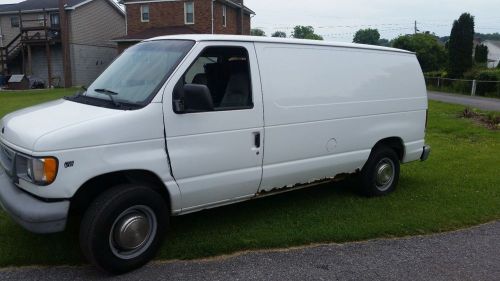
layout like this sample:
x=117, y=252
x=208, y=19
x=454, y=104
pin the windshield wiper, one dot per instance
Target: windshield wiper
x=77, y=94
x=110, y=94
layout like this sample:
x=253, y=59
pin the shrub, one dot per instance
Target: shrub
x=440, y=74
x=486, y=88
x=461, y=45
x=481, y=53
x=430, y=53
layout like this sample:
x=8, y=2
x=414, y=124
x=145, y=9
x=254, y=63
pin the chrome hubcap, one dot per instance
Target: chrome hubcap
x=133, y=232
x=385, y=174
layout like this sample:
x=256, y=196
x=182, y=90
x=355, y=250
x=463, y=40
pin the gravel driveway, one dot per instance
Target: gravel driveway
x=475, y=102
x=472, y=254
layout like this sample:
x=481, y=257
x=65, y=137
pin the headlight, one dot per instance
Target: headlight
x=40, y=171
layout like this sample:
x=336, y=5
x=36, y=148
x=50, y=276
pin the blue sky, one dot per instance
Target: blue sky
x=338, y=20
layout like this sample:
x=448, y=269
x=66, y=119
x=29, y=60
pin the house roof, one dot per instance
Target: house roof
x=6, y=7
x=237, y=3
x=29, y=5
x=493, y=42
x=155, y=32
x=233, y=3
x=38, y=5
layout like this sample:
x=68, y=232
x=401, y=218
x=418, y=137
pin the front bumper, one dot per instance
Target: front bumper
x=31, y=213
x=425, y=153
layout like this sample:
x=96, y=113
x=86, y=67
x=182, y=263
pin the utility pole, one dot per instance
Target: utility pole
x=242, y=16
x=416, y=29
x=212, y=11
x=64, y=30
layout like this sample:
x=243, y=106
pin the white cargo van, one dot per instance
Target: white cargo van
x=180, y=124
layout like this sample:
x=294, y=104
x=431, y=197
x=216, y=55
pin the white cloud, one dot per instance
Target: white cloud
x=338, y=20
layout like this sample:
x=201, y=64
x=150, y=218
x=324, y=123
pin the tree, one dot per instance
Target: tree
x=280, y=34
x=257, y=32
x=430, y=53
x=384, y=42
x=488, y=36
x=460, y=46
x=481, y=53
x=367, y=36
x=305, y=32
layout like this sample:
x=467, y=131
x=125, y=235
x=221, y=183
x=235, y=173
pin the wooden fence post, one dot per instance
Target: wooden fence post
x=474, y=86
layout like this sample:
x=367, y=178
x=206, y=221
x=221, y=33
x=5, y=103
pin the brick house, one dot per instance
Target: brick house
x=62, y=42
x=151, y=18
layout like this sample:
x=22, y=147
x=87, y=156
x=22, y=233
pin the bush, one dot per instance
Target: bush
x=437, y=74
x=460, y=45
x=430, y=53
x=481, y=53
x=485, y=88
x=472, y=74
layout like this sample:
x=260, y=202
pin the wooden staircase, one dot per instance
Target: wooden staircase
x=32, y=32
x=10, y=52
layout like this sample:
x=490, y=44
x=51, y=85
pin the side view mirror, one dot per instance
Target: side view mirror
x=197, y=98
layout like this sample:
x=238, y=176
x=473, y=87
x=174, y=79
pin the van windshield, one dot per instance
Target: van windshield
x=135, y=76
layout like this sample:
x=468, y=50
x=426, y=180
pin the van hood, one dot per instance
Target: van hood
x=24, y=127
x=65, y=125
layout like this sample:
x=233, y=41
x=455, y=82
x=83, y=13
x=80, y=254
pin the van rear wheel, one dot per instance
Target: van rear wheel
x=380, y=175
x=123, y=228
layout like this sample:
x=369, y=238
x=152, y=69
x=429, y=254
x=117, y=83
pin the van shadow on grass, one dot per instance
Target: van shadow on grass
x=213, y=227
x=261, y=223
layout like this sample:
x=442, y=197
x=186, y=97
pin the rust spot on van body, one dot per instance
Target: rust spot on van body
x=297, y=186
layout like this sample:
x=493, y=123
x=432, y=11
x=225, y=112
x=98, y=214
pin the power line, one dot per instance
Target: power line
x=416, y=24
x=337, y=26
x=381, y=27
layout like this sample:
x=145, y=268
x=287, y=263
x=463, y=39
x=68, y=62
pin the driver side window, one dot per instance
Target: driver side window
x=225, y=72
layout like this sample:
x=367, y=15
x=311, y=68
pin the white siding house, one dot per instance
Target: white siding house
x=31, y=41
x=493, y=52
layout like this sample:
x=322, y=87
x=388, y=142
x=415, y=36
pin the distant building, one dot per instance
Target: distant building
x=493, y=52
x=62, y=42
x=151, y=18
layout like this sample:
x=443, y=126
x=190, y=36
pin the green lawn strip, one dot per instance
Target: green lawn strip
x=459, y=186
x=14, y=100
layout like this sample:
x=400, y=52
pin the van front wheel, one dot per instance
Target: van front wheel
x=123, y=228
x=380, y=175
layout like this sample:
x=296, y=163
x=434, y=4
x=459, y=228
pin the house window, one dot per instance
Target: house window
x=14, y=21
x=144, y=13
x=189, y=12
x=41, y=20
x=55, y=21
x=224, y=15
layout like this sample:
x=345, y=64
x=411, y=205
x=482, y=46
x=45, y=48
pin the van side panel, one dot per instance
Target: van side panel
x=326, y=107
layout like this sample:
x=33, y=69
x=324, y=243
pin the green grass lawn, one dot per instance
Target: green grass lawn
x=458, y=186
x=11, y=101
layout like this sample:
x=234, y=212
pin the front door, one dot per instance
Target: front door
x=216, y=156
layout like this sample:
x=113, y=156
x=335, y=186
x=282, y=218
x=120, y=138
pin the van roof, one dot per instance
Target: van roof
x=262, y=39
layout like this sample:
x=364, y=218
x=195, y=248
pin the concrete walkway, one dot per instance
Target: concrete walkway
x=475, y=102
x=472, y=254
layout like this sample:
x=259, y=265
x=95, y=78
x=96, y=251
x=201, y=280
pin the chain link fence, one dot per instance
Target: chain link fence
x=464, y=86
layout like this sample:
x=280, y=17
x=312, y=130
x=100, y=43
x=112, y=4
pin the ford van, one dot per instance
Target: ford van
x=179, y=124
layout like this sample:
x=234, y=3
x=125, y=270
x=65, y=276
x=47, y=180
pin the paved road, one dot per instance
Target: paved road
x=475, y=102
x=472, y=254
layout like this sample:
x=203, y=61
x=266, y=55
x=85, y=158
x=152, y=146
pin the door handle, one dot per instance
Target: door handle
x=257, y=139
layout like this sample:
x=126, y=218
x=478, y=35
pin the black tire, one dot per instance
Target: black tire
x=99, y=222
x=371, y=183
